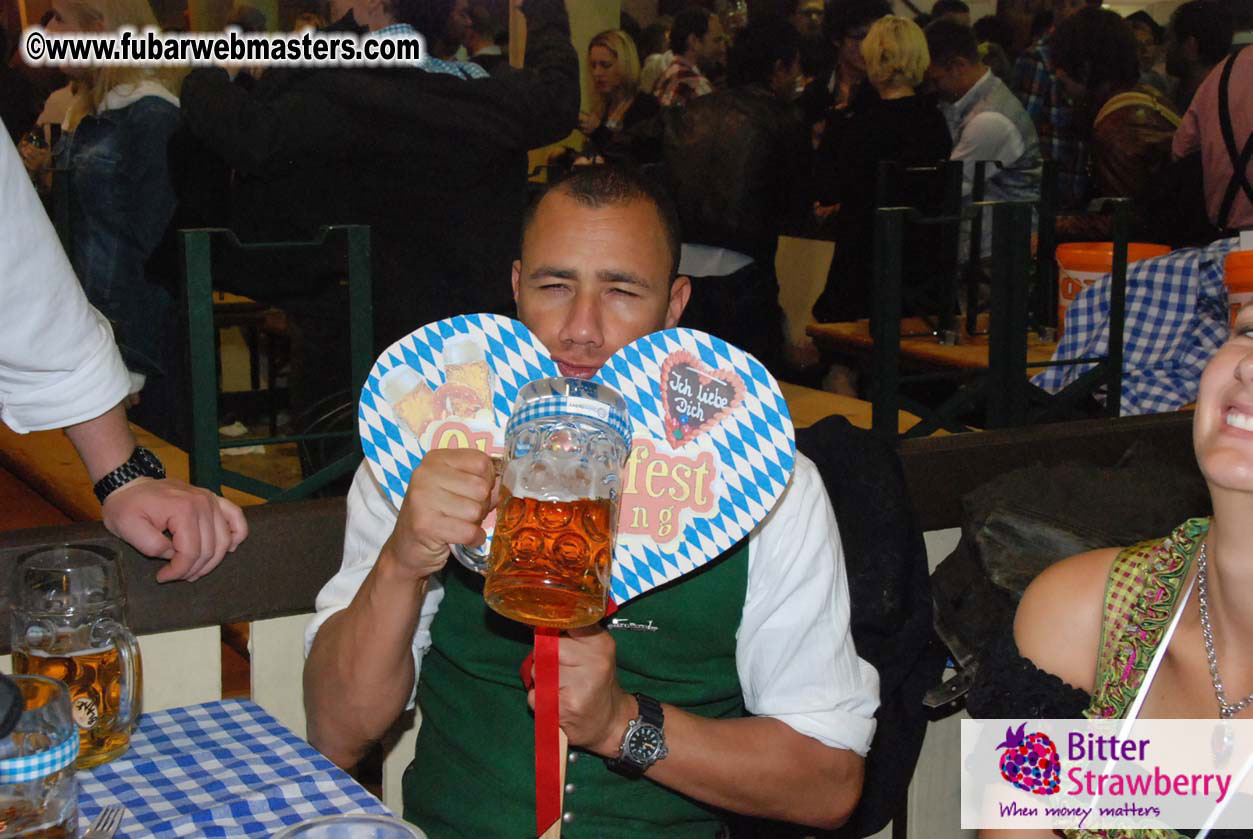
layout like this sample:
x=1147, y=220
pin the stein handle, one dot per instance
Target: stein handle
x=132, y=671
x=473, y=558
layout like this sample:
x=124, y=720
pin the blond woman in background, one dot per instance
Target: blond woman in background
x=617, y=103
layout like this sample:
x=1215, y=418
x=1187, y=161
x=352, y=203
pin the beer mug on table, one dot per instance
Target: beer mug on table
x=69, y=623
x=552, y=549
x=38, y=788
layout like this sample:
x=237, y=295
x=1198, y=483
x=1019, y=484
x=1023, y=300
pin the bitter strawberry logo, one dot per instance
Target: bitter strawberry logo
x=1030, y=762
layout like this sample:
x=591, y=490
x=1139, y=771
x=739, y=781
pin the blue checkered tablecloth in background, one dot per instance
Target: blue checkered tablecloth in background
x=223, y=769
x=1176, y=320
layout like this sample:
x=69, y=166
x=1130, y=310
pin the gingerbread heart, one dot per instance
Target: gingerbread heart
x=695, y=397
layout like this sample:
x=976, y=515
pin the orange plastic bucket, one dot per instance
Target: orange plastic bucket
x=1238, y=277
x=1080, y=264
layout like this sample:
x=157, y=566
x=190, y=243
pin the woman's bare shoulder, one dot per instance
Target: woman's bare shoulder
x=1058, y=624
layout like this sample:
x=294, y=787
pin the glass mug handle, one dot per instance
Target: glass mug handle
x=131, y=666
x=473, y=558
x=476, y=558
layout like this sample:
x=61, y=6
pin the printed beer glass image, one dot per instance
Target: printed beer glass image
x=69, y=624
x=552, y=549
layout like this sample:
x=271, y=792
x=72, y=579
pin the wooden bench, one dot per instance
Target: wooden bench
x=23, y=507
x=808, y=406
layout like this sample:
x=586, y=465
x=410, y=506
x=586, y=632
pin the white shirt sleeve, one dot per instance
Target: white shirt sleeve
x=371, y=518
x=987, y=136
x=794, y=649
x=58, y=362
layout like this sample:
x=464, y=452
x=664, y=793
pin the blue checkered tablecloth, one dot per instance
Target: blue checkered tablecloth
x=1177, y=312
x=222, y=769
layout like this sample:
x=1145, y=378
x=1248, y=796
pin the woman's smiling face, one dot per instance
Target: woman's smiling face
x=1222, y=430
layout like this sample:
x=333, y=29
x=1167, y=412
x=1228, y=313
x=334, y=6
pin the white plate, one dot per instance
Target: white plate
x=349, y=826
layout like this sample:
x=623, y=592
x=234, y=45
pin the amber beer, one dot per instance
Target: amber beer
x=550, y=560
x=94, y=678
x=26, y=821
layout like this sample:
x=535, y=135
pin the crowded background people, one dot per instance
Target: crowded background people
x=118, y=127
x=737, y=162
x=986, y=121
x=829, y=103
x=1035, y=81
x=698, y=44
x=400, y=149
x=1128, y=125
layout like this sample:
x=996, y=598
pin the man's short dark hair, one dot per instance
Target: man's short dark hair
x=1097, y=48
x=758, y=47
x=843, y=16
x=489, y=18
x=1241, y=12
x=994, y=29
x=691, y=21
x=1209, y=22
x=948, y=40
x=1144, y=19
x=608, y=185
x=949, y=7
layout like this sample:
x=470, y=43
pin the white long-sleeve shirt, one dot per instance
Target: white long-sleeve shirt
x=58, y=362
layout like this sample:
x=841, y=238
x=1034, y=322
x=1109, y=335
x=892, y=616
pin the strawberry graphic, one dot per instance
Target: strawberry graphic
x=1030, y=762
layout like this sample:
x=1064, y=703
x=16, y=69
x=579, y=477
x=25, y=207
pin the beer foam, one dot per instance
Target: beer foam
x=546, y=478
x=42, y=653
x=399, y=382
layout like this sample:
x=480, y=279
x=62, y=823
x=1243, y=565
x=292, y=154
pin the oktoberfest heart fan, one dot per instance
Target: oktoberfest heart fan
x=713, y=444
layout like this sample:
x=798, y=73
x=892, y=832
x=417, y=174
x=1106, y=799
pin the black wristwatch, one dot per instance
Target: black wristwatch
x=645, y=740
x=141, y=464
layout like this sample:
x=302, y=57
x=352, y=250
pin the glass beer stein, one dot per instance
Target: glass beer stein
x=38, y=789
x=69, y=614
x=556, y=523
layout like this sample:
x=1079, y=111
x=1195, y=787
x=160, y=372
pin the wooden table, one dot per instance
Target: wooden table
x=853, y=337
x=47, y=462
x=808, y=406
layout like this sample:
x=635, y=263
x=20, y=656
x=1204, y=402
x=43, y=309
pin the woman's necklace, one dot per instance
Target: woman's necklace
x=1226, y=709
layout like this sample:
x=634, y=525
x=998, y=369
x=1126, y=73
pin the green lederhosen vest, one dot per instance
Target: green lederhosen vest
x=473, y=775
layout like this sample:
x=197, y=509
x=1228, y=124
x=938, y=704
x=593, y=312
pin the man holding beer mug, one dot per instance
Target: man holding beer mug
x=745, y=669
x=59, y=368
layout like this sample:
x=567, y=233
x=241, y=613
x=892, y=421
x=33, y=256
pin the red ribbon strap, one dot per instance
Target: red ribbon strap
x=547, y=730
x=548, y=749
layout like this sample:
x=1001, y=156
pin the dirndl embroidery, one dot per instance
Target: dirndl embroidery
x=1140, y=596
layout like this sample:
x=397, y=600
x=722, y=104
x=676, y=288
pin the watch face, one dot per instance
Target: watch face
x=645, y=742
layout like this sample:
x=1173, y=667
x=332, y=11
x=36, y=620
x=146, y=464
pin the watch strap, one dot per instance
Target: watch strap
x=650, y=713
x=650, y=710
x=141, y=464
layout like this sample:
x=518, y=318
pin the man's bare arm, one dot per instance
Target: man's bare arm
x=360, y=669
x=203, y=527
x=757, y=766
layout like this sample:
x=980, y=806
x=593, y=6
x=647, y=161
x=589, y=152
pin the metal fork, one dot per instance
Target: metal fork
x=106, y=824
